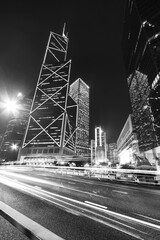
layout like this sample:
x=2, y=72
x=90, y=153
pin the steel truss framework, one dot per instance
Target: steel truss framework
x=53, y=113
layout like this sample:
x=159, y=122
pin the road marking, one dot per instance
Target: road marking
x=94, y=192
x=72, y=182
x=34, y=179
x=109, y=212
x=119, y=191
x=153, y=219
x=29, y=189
x=37, y=187
x=95, y=204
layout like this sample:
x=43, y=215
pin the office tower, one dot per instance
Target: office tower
x=127, y=144
x=15, y=130
x=141, y=49
x=51, y=128
x=112, y=153
x=100, y=146
x=79, y=91
x=93, y=152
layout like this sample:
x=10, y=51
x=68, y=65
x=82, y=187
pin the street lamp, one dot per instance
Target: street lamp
x=11, y=106
x=14, y=146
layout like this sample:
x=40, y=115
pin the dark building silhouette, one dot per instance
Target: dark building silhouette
x=141, y=49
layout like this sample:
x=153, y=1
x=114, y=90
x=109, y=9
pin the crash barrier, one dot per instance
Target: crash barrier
x=27, y=226
x=131, y=175
x=139, y=176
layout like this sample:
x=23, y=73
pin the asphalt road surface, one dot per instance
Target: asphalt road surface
x=78, y=208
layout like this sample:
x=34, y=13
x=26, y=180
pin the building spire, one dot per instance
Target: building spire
x=63, y=32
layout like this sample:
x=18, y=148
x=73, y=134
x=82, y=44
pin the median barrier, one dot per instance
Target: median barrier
x=122, y=175
x=27, y=226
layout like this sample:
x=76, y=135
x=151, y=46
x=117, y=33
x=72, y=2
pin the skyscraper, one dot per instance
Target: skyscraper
x=15, y=129
x=52, y=124
x=79, y=91
x=100, y=146
x=141, y=48
x=127, y=144
x=112, y=153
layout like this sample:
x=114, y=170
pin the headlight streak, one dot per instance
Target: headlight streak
x=30, y=190
x=43, y=194
x=28, y=178
x=72, y=189
x=22, y=176
x=152, y=219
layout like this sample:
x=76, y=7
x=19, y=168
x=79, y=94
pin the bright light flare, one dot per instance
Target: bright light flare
x=14, y=146
x=19, y=95
x=10, y=106
x=124, y=157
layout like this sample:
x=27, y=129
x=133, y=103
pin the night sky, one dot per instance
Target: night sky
x=95, y=32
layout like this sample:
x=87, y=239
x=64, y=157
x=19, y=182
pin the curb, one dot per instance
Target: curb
x=27, y=226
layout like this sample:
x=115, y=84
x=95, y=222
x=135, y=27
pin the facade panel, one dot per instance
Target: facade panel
x=79, y=91
x=52, y=122
x=141, y=57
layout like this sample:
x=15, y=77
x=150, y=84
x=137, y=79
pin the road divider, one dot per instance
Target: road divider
x=26, y=225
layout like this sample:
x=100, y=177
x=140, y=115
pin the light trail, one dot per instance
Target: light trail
x=81, y=211
x=47, y=182
x=99, y=214
x=153, y=219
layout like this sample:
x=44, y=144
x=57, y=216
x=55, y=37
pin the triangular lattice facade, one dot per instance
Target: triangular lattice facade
x=52, y=122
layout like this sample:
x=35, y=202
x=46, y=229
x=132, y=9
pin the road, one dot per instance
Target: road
x=82, y=209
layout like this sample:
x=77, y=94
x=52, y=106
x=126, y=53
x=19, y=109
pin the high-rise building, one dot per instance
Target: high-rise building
x=52, y=123
x=141, y=48
x=100, y=146
x=79, y=91
x=15, y=130
x=127, y=144
x=93, y=152
x=112, y=153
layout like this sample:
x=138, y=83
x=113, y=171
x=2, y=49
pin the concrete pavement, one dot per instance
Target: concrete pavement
x=9, y=232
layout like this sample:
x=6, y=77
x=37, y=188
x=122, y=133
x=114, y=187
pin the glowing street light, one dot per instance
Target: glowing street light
x=14, y=146
x=11, y=106
x=19, y=95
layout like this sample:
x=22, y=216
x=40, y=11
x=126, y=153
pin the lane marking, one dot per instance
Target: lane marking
x=153, y=219
x=118, y=215
x=28, y=178
x=119, y=191
x=82, y=213
x=95, y=204
x=37, y=187
x=72, y=182
x=46, y=194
